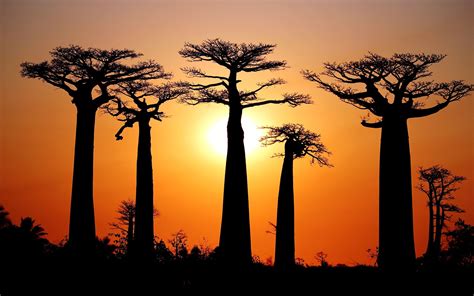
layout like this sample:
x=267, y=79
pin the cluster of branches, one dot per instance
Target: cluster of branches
x=79, y=70
x=439, y=185
x=235, y=58
x=402, y=77
x=304, y=142
x=144, y=101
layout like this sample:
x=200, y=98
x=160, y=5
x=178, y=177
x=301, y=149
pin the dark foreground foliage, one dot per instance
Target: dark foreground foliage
x=122, y=278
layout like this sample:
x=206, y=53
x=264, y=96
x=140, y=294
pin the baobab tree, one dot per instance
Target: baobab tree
x=143, y=105
x=299, y=143
x=87, y=76
x=395, y=91
x=235, y=58
x=438, y=184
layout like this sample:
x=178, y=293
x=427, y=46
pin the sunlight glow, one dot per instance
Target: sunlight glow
x=217, y=135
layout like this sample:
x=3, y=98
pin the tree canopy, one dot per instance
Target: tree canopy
x=382, y=85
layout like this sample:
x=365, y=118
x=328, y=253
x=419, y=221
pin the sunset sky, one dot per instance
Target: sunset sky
x=336, y=209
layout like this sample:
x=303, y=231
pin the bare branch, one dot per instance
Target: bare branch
x=198, y=73
x=450, y=92
x=269, y=83
x=206, y=96
x=377, y=124
x=292, y=99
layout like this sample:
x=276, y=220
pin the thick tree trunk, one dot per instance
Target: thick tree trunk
x=396, y=241
x=234, y=244
x=285, y=227
x=144, y=235
x=82, y=224
x=429, y=248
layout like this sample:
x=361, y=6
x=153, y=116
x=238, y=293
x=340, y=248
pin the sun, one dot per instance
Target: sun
x=217, y=135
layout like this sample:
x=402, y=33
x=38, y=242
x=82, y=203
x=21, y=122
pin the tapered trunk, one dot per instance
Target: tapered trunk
x=82, y=224
x=144, y=236
x=429, y=248
x=438, y=231
x=396, y=241
x=234, y=243
x=130, y=234
x=285, y=227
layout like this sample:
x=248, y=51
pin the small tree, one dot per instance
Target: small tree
x=394, y=90
x=299, y=143
x=126, y=226
x=4, y=219
x=141, y=104
x=438, y=184
x=87, y=75
x=461, y=244
x=321, y=257
x=234, y=243
x=126, y=222
x=179, y=241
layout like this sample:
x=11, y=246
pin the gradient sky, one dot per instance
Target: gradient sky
x=336, y=208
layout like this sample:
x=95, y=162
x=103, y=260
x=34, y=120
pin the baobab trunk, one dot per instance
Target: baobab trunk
x=82, y=224
x=285, y=227
x=235, y=228
x=144, y=235
x=429, y=248
x=438, y=231
x=396, y=245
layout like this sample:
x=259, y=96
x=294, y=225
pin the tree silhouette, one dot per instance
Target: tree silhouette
x=299, y=143
x=235, y=58
x=126, y=222
x=439, y=188
x=139, y=110
x=179, y=241
x=4, y=220
x=321, y=257
x=23, y=242
x=402, y=79
x=86, y=75
x=461, y=244
x=126, y=225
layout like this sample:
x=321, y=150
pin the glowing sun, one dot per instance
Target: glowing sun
x=217, y=136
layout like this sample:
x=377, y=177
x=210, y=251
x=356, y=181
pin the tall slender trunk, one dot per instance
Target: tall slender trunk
x=285, y=227
x=429, y=248
x=439, y=228
x=234, y=240
x=82, y=224
x=144, y=235
x=396, y=241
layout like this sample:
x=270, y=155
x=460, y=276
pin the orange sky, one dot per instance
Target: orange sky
x=336, y=208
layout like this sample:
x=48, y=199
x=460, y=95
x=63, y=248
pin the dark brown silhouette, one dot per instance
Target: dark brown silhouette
x=299, y=143
x=439, y=188
x=126, y=225
x=145, y=103
x=401, y=77
x=178, y=242
x=461, y=244
x=86, y=75
x=126, y=221
x=4, y=219
x=235, y=58
x=321, y=257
